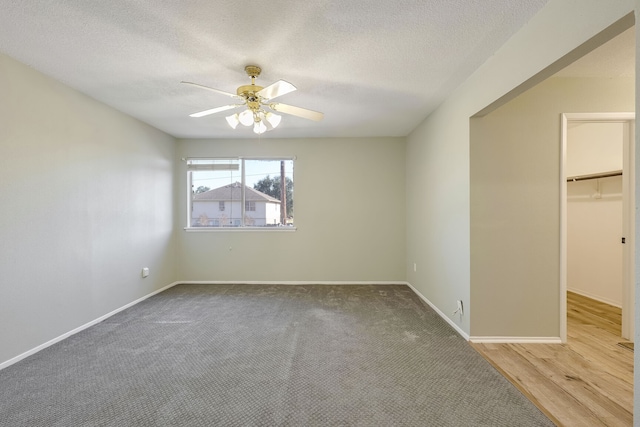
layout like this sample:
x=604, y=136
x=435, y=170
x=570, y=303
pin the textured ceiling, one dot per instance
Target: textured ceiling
x=374, y=67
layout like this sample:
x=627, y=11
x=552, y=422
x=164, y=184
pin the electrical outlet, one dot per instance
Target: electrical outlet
x=459, y=309
x=145, y=272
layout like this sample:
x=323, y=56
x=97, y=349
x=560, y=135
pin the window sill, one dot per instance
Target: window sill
x=239, y=229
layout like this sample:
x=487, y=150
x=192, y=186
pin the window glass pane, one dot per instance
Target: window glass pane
x=263, y=180
x=218, y=198
x=216, y=194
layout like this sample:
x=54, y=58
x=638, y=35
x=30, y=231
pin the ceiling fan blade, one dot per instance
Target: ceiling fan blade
x=297, y=111
x=276, y=89
x=221, y=92
x=213, y=111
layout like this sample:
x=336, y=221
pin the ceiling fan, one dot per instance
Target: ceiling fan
x=256, y=99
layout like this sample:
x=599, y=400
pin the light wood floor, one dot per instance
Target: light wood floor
x=586, y=382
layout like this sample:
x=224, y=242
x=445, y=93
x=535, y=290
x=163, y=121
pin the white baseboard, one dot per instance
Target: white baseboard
x=540, y=340
x=281, y=282
x=595, y=297
x=80, y=328
x=440, y=313
x=516, y=340
x=220, y=282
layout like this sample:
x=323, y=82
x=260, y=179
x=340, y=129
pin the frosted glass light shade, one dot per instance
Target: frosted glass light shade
x=246, y=118
x=259, y=127
x=233, y=120
x=273, y=119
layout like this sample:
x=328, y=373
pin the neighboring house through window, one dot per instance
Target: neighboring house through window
x=240, y=192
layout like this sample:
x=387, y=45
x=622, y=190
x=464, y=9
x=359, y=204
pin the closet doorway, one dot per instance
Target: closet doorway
x=597, y=212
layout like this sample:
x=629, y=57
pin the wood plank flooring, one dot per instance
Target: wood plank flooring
x=586, y=382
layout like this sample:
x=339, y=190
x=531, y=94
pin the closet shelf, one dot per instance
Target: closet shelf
x=594, y=176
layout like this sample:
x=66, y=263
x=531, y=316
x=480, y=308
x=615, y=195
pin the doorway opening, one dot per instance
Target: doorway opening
x=597, y=215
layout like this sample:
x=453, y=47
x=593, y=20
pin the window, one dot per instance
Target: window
x=239, y=193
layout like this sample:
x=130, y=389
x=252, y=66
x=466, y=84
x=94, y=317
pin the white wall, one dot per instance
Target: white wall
x=342, y=235
x=86, y=201
x=594, y=147
x=438, y=232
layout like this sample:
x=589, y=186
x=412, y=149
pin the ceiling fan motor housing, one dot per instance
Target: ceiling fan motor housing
x=253, y=71
x=248, y=92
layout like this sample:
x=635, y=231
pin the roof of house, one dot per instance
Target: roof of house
x=233, y=192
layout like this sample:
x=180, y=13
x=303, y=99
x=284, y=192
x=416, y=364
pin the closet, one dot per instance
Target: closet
x=594, y=165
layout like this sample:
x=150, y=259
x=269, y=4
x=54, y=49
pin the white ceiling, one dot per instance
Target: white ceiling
x=374, y=67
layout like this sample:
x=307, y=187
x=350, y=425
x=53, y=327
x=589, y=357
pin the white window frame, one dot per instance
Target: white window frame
x=240, y=228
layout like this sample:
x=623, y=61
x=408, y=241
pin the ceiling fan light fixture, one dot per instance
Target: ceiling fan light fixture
x=233, y=120
x=273, y=119
x=255, y=99
x=246, y=118
x=259, y=127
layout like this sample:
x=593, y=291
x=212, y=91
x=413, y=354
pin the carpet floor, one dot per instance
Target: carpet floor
x=258, y=355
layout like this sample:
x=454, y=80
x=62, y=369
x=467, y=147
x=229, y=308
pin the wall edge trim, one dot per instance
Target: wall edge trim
x=49, y=343
x=595, y=297
x=439, y=312
x=288, y=282
x=515, y=340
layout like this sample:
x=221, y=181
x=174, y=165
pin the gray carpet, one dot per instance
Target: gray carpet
x=244, y=355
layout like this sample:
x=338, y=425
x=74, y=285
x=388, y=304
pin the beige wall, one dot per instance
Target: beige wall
x=438, y=232
x=86, y=201
x=350, y=215
x=515, y=204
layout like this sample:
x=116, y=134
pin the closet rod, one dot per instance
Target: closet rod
x=594, y=176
